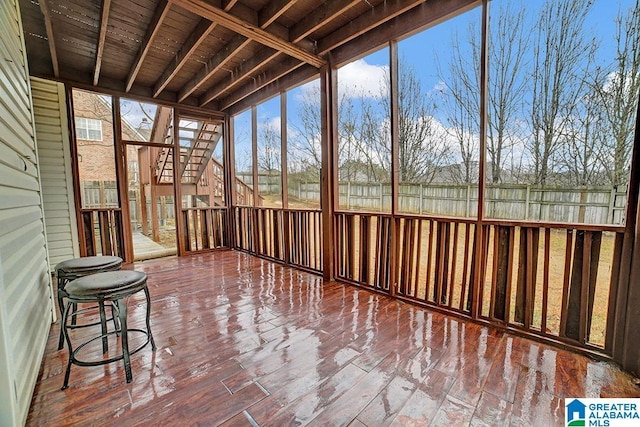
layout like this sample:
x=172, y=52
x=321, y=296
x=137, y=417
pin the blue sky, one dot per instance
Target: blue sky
x=435, y=42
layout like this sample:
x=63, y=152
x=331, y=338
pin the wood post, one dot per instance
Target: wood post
x=329, y=107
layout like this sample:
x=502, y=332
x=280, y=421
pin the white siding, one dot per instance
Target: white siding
x=25, y=298
x=55, y=169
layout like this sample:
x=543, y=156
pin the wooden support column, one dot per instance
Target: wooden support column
x=255, y=179
x=75, y=174
x=328, y=179
x=121, y=177
x=284, y=178
x=181, y=231
x=626, y=334
x=230, y=198
x=395, y=117
x=479, y=253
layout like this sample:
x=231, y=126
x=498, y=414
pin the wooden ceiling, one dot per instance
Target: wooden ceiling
x=221, y=55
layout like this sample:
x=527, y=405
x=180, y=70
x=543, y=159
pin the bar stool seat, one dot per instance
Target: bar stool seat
x=75, y=268
x=107, y=287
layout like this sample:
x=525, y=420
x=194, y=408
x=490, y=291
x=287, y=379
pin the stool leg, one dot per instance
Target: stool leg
x=114, y=317
x=103, y=325
x=63, y=328
x=122, y=314
x=74, y=316
x=61, y=306
x=153, y=343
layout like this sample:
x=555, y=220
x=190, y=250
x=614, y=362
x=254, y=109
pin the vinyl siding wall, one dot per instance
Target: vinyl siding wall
x=55, y=169
x=25, y=293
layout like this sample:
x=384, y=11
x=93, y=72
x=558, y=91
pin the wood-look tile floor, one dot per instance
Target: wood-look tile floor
x=245, y=342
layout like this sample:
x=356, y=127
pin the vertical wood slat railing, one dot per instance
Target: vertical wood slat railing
x=542, y=280
x=291, y=236
x=205, y=228
x=102, y=232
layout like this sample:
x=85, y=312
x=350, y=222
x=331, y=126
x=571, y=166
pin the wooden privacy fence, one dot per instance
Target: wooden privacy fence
x=588, y=205
x=554, y=282
x=292, y=236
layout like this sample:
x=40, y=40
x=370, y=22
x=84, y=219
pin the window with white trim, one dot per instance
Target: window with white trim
x=88, y=129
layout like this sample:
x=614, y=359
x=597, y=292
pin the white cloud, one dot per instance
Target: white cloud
x=439, y=87
x=270, y=123
x=362, y=80
x=357, y=79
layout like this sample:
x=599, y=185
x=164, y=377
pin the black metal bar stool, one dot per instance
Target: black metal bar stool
x=75, y=268
x=107, y=287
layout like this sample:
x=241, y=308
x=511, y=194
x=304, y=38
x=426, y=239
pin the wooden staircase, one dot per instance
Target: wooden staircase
x=198, y=141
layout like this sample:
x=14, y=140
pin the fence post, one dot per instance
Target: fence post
x=381, y=197
x=420, y=199
x=348, y=195
x=467, y=208
x=612, y=204
x=526, y=202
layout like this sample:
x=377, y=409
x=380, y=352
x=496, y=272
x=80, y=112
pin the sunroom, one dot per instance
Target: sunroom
x=361, y=212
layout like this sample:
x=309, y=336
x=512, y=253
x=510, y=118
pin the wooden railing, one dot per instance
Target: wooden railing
x=553, y=281
x=102, y=232
x=205, y=228
x=291, y=236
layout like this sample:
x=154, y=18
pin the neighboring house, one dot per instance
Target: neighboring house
x=94, y=134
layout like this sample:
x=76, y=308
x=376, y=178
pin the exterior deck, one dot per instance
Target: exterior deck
x=245, y=341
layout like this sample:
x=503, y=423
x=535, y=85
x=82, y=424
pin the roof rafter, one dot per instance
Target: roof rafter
x=301, y=74
x=195, y=39
x=319, y=17
x=269, y=76
x=249, y=30
x=380, y=14
x=273, y=10
x=267, y=17
x=427, y=14
x=199, y=34
x=104, y=18
x=154, y=26
x=214, y=64
x=44, y=7
x=239, y=74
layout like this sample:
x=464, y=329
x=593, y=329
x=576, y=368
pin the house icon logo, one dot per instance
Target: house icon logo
x=576, y=413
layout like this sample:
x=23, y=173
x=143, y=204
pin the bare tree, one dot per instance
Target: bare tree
x=618, y=92
x=461, y=102
x=509, y=42
x=269, y=146
x=303, y=146
x=422, y=147
x=562, y=56
x=584, y=143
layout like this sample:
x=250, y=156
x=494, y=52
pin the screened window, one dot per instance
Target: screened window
x=89, y=129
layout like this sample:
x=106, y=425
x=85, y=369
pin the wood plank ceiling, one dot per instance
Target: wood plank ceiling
x=217, y=54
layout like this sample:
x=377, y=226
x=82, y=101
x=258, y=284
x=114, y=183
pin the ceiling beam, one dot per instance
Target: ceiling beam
x=302, y=74
x=319, y=17
x=189, y=47
x=44, y=7
x=104, y=18
x=380, y=14
x=214, y=64
x=263, y=79
x=228, y=4
x=273, y=10
x=424, y=16
x=249, y=30
x=152, y=31
x=199, y=34
x=239, y=75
